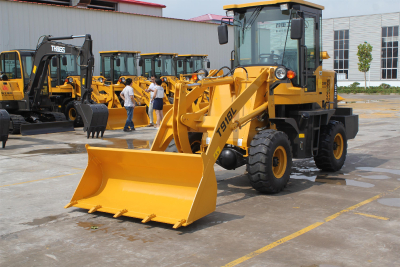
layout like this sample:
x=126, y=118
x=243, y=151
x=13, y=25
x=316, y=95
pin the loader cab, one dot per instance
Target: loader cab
x=187, y=64
x=117, y=64
x=158, y=64
x=62, y=67
x=283, y=34
x=17, y=65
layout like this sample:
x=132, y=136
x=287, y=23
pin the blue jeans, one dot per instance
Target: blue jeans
x=129, y=122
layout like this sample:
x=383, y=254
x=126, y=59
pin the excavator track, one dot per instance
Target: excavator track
x=15, y=123
x=52, y=122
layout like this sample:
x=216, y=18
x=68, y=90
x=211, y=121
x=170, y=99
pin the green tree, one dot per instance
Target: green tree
x=364, y=59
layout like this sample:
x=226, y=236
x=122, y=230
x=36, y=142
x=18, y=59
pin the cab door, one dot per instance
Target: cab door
x=312, y=50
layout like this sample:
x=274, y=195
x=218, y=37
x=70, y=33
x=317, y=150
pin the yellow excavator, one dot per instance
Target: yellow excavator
x=26, y=91
x=275, y=104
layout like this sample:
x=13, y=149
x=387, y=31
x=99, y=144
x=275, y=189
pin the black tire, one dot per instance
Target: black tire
x=331, y=151
x=194, y=140
x=270, y=161
x=71, y=114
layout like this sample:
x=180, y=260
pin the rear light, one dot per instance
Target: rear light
x=194, y=77
x=291, y=74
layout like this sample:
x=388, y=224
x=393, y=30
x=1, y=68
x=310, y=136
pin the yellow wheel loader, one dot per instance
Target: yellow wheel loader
x=26, y=95
x=276, y=104
x=115, y=68
x=65, y=88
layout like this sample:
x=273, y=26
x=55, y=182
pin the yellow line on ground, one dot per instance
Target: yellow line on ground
x=40, y=179
x=303, y=231
x=372, y=216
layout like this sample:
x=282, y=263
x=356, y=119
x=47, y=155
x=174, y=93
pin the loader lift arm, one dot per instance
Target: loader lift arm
x=94, y=116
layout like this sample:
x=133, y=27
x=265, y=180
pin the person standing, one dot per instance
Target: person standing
x=151, y=90
x=129, y=104
x=158, y=101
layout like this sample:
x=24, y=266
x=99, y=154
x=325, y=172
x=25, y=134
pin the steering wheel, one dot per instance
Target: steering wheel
x=270, y=58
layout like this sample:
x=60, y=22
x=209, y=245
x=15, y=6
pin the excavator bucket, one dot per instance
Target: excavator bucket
x=171, y=188
x=4, y=125
x=94, y=118
x=117, y=118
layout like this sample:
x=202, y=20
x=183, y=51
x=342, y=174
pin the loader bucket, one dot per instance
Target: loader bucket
x=4, y=125
x=171, y=188
x=46, y=127
x=117, y=118
x=94, y=118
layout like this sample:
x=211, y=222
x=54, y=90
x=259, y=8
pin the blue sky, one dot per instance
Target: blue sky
x=186, y=9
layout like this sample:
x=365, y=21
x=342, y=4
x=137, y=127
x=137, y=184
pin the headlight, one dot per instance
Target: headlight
x=123, y=80
x=100, y=80
x=280, y=73
x=70, y=80
x=165, y=79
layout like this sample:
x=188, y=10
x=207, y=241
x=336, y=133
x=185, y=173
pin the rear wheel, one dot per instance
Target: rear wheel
x=194, y=140
x=270, y=161
x=332, y=148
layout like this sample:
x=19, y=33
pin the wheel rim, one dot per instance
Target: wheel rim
x=338, y=146
x=279, y=162
x=72, y=114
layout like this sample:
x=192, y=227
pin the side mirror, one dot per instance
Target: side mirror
x=223, y=34
x=118, y=62
x=180, y=64
x=54, y=62
x=191, y=64
x=208, y=64
x=140, y=62
x=64, y=61
x=297, y=29
x=159, y=63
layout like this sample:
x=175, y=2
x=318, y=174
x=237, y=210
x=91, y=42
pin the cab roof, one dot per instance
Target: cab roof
x=154, y=54
x=273, y=2
x=119, y=51
x=192, y=55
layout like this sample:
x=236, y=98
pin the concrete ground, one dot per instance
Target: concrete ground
x=348, y=218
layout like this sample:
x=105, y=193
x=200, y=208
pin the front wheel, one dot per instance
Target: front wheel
x=332, y=148
x=72, y=114
x=270, y=161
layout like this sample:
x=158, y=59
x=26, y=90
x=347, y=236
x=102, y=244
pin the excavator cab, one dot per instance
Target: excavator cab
x=276, y=104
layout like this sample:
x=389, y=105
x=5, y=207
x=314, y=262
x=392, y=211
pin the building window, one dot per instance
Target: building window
x=390, y=52
x=341, y=48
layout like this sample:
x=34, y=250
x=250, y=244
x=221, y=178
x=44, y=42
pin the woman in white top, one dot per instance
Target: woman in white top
x=158, y=101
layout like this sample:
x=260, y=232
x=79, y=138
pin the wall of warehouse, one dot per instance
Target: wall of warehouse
x=21, y=24
x=140, y=9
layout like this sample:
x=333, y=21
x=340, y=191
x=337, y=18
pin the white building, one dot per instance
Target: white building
x=341, y=37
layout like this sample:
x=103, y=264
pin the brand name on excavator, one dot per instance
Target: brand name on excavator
x=59, y=49
x=226, y=121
